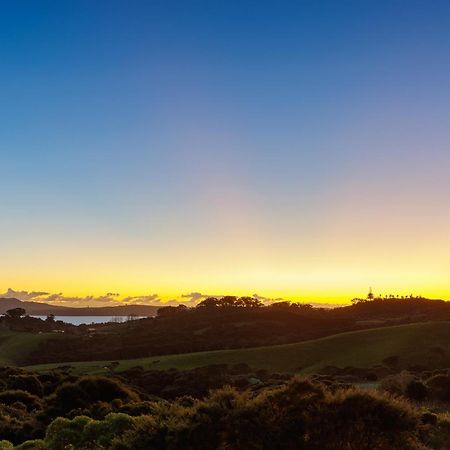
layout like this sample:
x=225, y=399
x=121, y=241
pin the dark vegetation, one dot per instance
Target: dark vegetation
x=16, y=320
x=225, y=407
x=222, y=407
x=228, y=323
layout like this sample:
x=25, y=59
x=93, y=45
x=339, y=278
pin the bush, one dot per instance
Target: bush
x=29, y=383
x=397, y=384
x=88, y=390
x=440, y=434
x=85, y=433
x=17, y=396
x=5, y=445
x=300, y=415
x=36, y=444
x=416, y=390
x=439, y=386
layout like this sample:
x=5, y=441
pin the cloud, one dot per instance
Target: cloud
x=109, y=299
x=114, y=299
x=268, y=300
x=193, y=297
x=197, y=297
x=23, y=295
x=140, y=299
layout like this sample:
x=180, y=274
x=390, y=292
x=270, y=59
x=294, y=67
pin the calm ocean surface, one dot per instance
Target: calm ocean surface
x=79, y=320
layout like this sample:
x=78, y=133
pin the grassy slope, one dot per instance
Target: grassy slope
x=412, y=343
x=14, y=346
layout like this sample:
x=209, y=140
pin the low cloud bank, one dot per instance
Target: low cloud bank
x=114, y=299
x=109, y=299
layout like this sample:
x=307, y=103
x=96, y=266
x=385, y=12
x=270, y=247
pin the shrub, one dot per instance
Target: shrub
x=29, y=383
x=85, y=433
x=17, y=396
x=439, y=386
x=88, y=390
x=65, y=434
x=416, y=390
x=396, y=384
x=36, y=444
x=365, y=420
x=440, y=434
x=5, y=445
x=300, y=415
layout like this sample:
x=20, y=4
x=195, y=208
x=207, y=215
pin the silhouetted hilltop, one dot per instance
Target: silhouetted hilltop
x=411, y=309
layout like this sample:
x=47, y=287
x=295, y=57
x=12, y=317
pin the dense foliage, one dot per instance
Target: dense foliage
x=219, y=407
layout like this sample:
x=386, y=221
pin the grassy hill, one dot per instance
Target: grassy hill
x=426, y=344
x=178, y=330
x=15, y=346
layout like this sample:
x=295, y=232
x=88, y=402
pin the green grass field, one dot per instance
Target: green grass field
x=425, y=344
x=14, y=346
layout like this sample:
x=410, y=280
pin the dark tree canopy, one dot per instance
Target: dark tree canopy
x=230, y=301
x=15, y=313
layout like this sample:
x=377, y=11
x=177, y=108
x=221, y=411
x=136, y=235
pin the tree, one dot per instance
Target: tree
x=15, y=313
x=210, y=302
x=170, y=310
x=284, y=305
x=251, y=302
x=229, y=301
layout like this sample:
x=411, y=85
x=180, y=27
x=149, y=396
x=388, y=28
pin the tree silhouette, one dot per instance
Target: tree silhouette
x=15, y=313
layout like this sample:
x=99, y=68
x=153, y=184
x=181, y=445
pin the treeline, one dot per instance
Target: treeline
x=15, y=319
x=229, y=408
x=231, y=322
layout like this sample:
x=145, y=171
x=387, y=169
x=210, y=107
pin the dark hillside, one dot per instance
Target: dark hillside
x=404, y=310
x=187, y=330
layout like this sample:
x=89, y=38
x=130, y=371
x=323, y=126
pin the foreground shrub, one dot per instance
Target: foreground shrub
x=23, y=397
x=397, y=383
x=365, y=421
x=37, y=444
x=440, y=435
x=416, y=390
x=439, y=386
x=84, y=433
x=87, y=390
x=26, y=382
x=300, y=415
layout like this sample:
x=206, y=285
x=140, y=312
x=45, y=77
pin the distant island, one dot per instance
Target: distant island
x=44, y=309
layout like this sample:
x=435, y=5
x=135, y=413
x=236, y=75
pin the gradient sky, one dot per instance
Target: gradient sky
x=293, y=149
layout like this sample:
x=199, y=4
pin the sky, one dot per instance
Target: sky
x=160, y=149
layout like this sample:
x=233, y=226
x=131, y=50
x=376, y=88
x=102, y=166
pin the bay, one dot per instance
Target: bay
x=87, y=320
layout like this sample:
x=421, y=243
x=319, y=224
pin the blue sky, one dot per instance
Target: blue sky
x=142, y=140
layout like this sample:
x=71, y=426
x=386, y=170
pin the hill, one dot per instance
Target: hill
x=44, y=309
x=421, y=344
x=221, y=325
